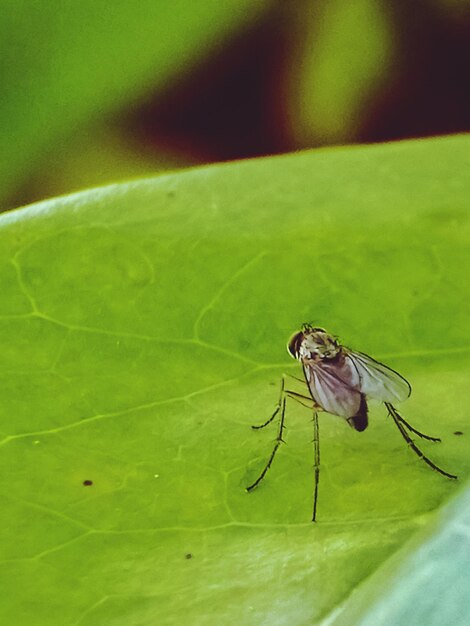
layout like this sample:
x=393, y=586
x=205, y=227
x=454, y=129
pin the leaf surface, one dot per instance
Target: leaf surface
x=143, y=331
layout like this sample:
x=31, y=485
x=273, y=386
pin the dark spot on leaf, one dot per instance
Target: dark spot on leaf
x=188, y=555
x=87, y=483
x=458, y=432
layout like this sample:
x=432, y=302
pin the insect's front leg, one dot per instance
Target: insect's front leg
x=277, y=409
x=298, y=397
x=281, y=409
x=277, y=443
x=291, y=394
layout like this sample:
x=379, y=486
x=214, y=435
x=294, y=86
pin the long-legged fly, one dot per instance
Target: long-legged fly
x=340, y=381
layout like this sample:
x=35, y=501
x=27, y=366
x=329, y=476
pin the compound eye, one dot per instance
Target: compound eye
x=293, y=345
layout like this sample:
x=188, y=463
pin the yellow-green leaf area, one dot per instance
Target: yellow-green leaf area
x=143, y=332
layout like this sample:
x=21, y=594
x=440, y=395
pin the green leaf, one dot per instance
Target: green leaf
x=143, y=331
x=62, y=63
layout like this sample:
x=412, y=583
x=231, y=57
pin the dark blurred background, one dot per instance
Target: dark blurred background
x=99, y=92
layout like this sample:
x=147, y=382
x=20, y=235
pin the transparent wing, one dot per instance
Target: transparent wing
x=378, y=381
x=330, y=392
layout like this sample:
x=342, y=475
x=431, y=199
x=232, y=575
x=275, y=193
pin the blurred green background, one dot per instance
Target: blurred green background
x=95, y=92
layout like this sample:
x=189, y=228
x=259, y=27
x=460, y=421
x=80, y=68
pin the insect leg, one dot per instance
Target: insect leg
x=316, y=465
x=281, y=395
x=296, y=396
x=277, y=409
x=394, y=415
x=411, y=428
x=301, y=380
x=278, y=442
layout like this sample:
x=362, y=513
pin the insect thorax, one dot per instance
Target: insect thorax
x=313, y=344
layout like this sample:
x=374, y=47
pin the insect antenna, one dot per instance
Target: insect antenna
x=399, y=424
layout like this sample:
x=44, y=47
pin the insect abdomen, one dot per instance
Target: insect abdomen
x=359, y=421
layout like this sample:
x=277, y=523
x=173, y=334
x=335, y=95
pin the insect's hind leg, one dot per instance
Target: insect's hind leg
x=409, y=426
x=396, y=418
x=279, y=440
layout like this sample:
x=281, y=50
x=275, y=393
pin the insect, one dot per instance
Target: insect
x=339, y=382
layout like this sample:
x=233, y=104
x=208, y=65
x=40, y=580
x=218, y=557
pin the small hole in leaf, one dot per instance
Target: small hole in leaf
x=87, y=483
x=458, y=432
